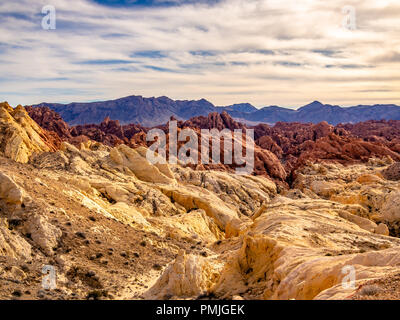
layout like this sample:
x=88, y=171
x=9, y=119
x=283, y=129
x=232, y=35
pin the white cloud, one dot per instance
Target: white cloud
x=285, y=52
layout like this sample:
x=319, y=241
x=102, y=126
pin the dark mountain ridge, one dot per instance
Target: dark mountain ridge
x=155, y=111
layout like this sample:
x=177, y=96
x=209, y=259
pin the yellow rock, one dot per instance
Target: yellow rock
x=128, y=214
x=391, y=208
x=187, y=276
x=193, y=226
x=382, y=229
x=135, y=161
x=297, y=249
x=66, y=147
x=325, y=189
x=20, y=136
x=197, y=198
x=43, y=233
x=361, y=222
x=368, y=179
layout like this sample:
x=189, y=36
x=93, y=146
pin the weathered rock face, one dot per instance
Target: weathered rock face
x=287, y=146
x=117, y=226
x=212, y=121
x=187, y=276
x=43, y=233
x=245, y=193
x=302, y=245
x=390, y=208
x=159, y=189
x=13, y=245
x=10, y=193
x=378, y=197
x=279, y=150
x=20, y=136
x=108, y=132
x=296, y=272
x=392, y=172
x=12, y=200
x=389, y=130
x=50, y=120
x=135, y=160
x=242, y=235
x=345, y=150
x=195, y=198
x=295, y=143
x=290, y=135
x=196, y=226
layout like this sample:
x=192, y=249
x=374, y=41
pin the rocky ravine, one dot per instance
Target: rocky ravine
x=116, y=227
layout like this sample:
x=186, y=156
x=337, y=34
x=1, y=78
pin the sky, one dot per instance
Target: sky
x=264, y=52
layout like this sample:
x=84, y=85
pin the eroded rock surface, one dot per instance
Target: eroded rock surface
x=280, y=149
x=114, y=226
x=20, y=136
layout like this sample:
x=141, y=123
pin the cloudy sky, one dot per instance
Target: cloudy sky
x=266, y=52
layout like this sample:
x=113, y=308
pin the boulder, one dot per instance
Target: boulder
x=391, y=207
x=382, y=229
x=43, y=233
x=187, y=276
x=392, y=172
x=363, y=223
x=10, y=192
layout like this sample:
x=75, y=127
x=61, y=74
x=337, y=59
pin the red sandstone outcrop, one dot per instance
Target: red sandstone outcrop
x=384, y=132
x=389, y=130
x=344, y=150
x=50, y=120
x=213, y=121
x=279, y=149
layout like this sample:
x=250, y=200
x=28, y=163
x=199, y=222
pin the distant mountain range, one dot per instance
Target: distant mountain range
x=155, y=111
x=316, y=112
x=133, y=109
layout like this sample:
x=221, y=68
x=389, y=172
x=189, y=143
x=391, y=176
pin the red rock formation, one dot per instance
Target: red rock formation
x=388, y=130
x=266, y=142
x=393, y=172
x=344, y=150
x=384, y=132
x=265, y=162
x=50, y=120
x=109, y=132
x=279, y=150
x=213, y=121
